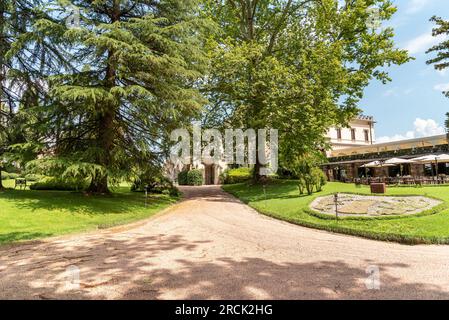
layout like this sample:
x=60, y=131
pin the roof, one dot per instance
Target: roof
x=391, y=146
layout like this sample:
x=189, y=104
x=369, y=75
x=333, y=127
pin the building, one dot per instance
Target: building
x=355, y=146
x=359, y=133
x=211, y=172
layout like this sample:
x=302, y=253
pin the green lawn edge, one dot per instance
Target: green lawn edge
x=338, y=229
x=32, y=215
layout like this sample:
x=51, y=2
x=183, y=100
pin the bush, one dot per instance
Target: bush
x=33, y=177
x=191, y=178
x=231, y=176
x=51, y=183
x=194, y=178
x=182, y=178
x=154, y=183
x=6, y=175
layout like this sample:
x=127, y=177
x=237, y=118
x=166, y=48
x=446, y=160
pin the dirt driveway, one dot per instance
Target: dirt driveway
x=211, y=246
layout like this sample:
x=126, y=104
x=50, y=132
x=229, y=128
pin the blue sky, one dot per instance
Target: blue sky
x=412, y=105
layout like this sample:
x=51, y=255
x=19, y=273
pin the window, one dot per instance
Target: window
x=353, y=134
x=339, y=134
x=366, y=136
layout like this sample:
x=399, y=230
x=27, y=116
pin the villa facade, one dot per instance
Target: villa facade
x=360, y=132
x=346, y=158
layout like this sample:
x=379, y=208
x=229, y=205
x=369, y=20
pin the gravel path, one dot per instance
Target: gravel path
x=211, y=246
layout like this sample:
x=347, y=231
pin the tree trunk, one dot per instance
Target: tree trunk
x=99, y=183
x=256, y=174
x=1, y=182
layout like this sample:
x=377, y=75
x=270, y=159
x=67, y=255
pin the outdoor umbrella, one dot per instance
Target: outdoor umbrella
x=397, y=161
x=377, y=164
x=433, y=159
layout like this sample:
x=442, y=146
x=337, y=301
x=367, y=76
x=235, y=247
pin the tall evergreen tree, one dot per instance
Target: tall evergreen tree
x=132, y=79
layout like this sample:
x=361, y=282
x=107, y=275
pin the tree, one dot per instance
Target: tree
x=297, y=66
x=441, y=61
x=446, y=123
x=130, y=79
x=24, y=62
x=306, y=168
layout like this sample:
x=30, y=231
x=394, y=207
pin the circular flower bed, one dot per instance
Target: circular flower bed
x=373, y=206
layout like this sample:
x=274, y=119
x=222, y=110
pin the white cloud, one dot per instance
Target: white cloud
x=415, y=6
x=391, y=93
x=442, y=87
x=422, y=128
x=422, y=43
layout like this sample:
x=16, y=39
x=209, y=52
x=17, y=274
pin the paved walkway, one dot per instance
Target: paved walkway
x=211, y=246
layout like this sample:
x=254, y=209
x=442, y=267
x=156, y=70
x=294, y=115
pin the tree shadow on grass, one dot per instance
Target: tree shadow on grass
x=137, y=266
x=21, y=236
x=76, y=202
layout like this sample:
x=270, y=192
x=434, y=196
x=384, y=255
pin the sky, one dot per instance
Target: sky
x=412, y=105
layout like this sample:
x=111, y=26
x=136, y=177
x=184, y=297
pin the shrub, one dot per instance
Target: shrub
x=33, y=177
x=174, y=192
x=194, y=178
x=155, y=183
x=6, y=175
x=182, y=178
x=52, y=183
x=237, y=175
x=310, y=176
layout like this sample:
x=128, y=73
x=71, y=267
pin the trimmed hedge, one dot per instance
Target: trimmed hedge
x=194, y=178
x=182, y=178
x=232, y=176
x=51, y=183
x=191, y=178
x=6, y=175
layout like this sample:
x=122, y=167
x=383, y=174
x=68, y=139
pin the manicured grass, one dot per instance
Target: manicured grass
x=26, y=215
x=282, y=201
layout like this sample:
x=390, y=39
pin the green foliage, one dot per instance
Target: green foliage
x=441, y=61
x=182, y=178
x=52, y=183
x=125, y=78
x=446, y=123
x=195, y=177
x=310, y=176
x=33, y=177
x=297, y=66
x=153, y=182
x=6, y=175
x=192, y=178
x=238, y=175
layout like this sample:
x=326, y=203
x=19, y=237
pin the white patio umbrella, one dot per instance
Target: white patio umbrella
x=377, y=164
x=433, y=159
x=397, y=161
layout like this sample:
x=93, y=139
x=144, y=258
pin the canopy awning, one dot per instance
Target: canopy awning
x=432, y=158
x=377, y=164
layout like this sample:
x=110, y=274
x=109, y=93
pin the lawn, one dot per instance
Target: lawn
x=281, y=200
x=26, y=215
